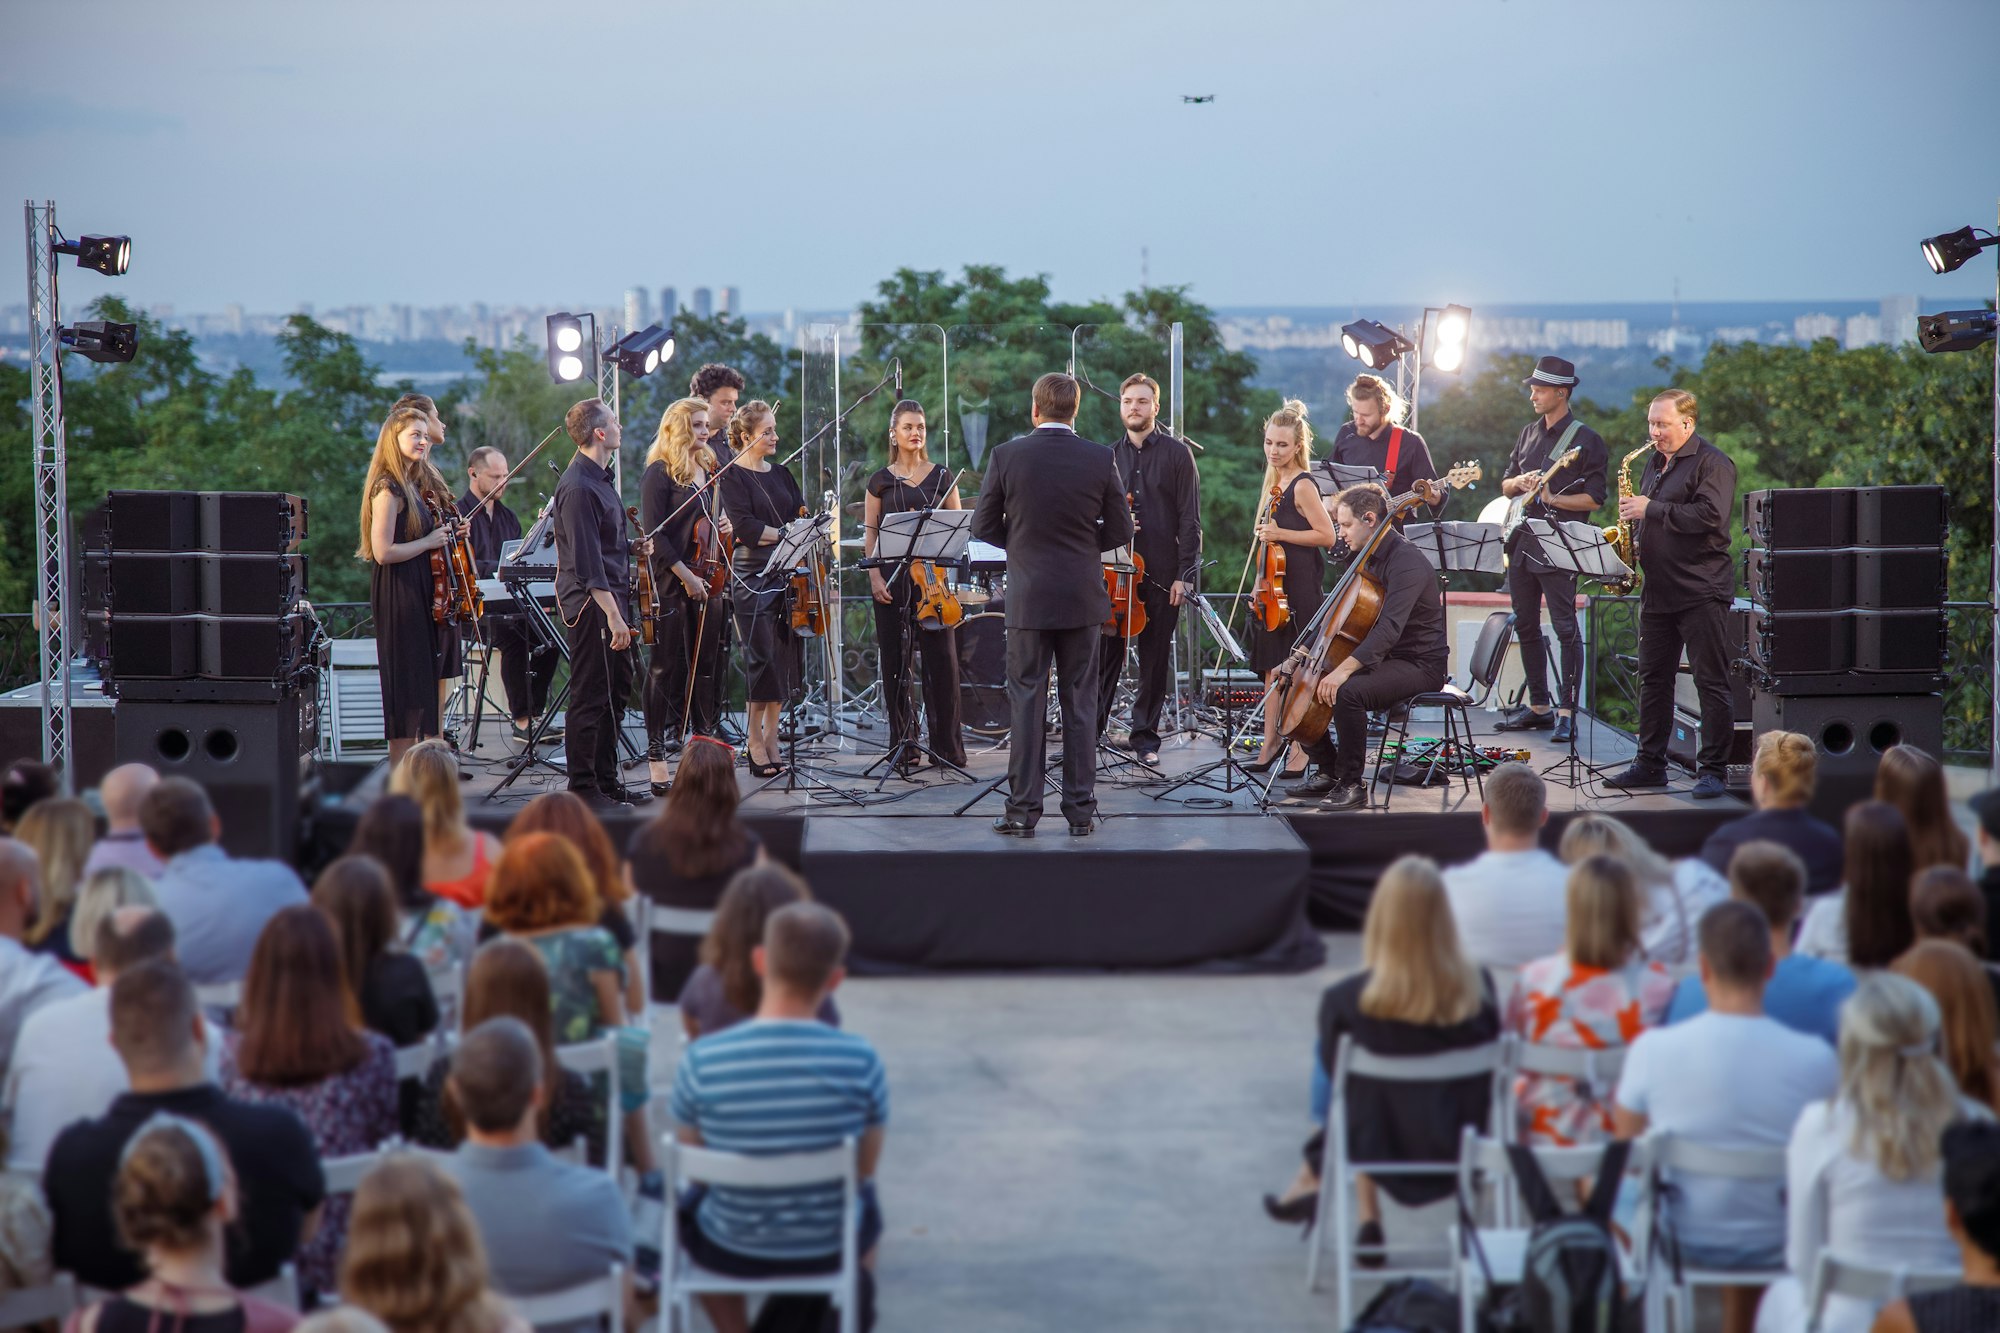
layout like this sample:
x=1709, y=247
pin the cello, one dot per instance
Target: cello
x=1268, y=598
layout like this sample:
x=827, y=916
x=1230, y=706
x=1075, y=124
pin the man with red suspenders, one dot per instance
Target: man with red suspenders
x=1374, y=438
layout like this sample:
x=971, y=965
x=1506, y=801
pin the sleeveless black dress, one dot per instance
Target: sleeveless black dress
x=413, y=652
x=1305, y=573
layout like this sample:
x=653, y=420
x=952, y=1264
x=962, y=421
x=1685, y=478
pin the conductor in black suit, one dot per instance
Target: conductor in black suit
x=1052, y=500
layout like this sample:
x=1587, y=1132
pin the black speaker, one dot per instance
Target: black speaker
x=1833, y=516
x=255, y=522
x=209, y=647
x=1804, y=643
x=162, y=583
x=1851, y=733
x=1872, y=578
x=258, y=762
x=152, y=520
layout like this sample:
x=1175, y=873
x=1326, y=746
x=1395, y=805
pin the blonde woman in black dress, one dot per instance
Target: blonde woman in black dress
x=1298, y=521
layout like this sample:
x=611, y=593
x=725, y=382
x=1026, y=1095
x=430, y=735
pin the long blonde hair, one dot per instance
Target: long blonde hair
x=102, y=895
x=428, y=775
x=1417, y=973
x=415, y=480
x=1291, y=415
x=1375, y=389
x=1602, y=904
x=61, y=832
x=674, y=446
x=414, y=1259
x=1891, y=1075
x=1593, y=834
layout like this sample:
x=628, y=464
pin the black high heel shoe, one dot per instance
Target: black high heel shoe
x=1260, y=766
x=1301, y=1208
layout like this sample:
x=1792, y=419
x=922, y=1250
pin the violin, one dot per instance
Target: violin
x=1269, y=596
x=648, y=587
x=808, y=605
x=1128, y=609
x=708, y=557
x=937, y=605
x=455, y=595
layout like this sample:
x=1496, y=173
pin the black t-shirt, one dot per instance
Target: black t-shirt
x=277, y=1173
x=489, y=531
x=396, y=999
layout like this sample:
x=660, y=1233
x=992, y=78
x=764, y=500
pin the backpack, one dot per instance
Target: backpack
x=1412, y=1305
x=1571, y=1281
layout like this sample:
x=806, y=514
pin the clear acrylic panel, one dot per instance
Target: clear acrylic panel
x=990, y=376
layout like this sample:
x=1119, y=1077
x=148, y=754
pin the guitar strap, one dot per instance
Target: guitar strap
x=1562, y=445
x=1395, y=450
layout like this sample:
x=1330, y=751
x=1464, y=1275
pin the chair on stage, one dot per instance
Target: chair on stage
x=1489, y=656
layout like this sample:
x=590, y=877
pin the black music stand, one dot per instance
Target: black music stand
x=1458, y=547
x=1232, y=768
x=1579, y=549
x=936, y=537
x=793, y=555
x=1332, y=478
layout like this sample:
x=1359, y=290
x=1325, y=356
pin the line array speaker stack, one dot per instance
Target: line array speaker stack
x=199, y=621
x=1845, y=637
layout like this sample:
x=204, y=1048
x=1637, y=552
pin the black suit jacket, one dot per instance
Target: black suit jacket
x=1052, y=500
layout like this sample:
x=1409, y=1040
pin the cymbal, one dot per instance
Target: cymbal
x=856, y=507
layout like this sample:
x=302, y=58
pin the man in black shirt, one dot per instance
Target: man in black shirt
x=1559, y=491
x=1374, y=437
x=524, y=665
x=1158, y=475
x=1680, y=529
x=1404, y=654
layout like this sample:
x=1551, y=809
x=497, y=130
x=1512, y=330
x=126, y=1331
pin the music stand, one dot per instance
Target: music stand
x=1579, y=549
x=791, y=553
x=1231, y=767
x=1458, y=547
x=1332, y=478
x=932, y=536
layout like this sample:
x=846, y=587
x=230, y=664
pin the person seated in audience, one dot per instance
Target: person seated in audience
x=1867, y=923
x=1598, y=994
x=60, y=831
x=1861, y=1173
x=436, y=931
x=28, y=980
x=1968, y=1021
x=159, y=1032
x=392, y=987
x=685, y=855
x=564, y=814
x=299, y=1044
x=1971, y=1153
x=458, y=859
x=1985, y=809
x=507, y=979
x=1945, y=904
x=1804, y=993
x=104, y=892
x=342, y=1319
x=414, y=1260
x=1783, y=773
x=23, y=784
x=217, y=903
x=123, y=845
x=1417, y=994
x=64, y=1069
x=25, y=1230
x=784, y=1082
x=725, y=990
x=1910, y=779
x=579, y=1225
x=1508, y=900
x=1676, y=893
x=1730, y=1077
x=172, y=1202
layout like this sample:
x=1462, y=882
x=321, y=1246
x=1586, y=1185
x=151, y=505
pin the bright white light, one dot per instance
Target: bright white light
x=1451, y=331
x=568, y=339
x=652, y=363
x=667, y=351
x=1349, y=346
x=124, y=255
x=1450, y=356
x=570, y=368
x=1932, y=257
x=1367, y=355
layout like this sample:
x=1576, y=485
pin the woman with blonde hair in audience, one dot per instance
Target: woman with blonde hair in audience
x=1969, y=1023
x=1862, y=1168
x=458, y=859
x=725, y=989
x=1867, y=923
x=61, y=831
x=102, y=895
x=414, y=1258
x=1784, y=771
x=1676, y=892
x=1417, y=994
x=564, y=814
x=1912, y=781
x=1598, y=994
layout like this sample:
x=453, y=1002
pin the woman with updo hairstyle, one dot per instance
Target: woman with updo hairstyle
x=761, y=497
x=1292, y=514
x=392, y=988
x=60, y=831
x=674, y=491
x=1867, y=923
x=414, y=1258
x=1784, y=771
x=457, y=857
x=1912, y=781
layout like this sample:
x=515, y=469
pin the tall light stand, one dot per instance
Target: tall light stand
x=51, y=488
x=1993, y=568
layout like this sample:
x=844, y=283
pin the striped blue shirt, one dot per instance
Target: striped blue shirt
x=767, y=1087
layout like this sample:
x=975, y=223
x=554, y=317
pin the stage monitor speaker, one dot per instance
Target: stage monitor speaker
x=258, y=762
x=1834, y=516
x=1804, y=643
x=1851, y=733
x=252, y=522
x=162, y=583
x=1867, y=577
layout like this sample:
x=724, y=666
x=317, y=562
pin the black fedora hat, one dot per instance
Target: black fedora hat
x=1553, y=370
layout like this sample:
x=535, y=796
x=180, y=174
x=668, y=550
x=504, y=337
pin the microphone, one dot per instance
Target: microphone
x=899, y=379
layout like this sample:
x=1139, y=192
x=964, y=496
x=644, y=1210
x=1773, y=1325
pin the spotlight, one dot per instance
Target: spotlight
x=102, y=340
x=1955, y=330
x=643, y=352
x=109, y=255
x=572, y=355
x=1453, y=329
x=1951, y=250
x=1373, y=343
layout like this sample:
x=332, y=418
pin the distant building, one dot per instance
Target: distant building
x=638, y=308
x=704, y=308
x=1738, y=333
x=1899, y=320
x=669, y=304
x=1607, y=333
x=732, y=302
x=1862, y=331
x=1811, y=328
x=232, y=318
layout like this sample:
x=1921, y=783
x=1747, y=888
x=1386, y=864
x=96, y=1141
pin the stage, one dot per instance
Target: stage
x=1196, y=877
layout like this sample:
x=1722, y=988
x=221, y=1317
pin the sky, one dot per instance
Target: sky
x=434, y=152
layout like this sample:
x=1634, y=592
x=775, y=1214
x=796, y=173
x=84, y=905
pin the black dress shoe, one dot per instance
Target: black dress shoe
x=1708, y=786
x=1319, y=783
x=1346, y=796
x=1525, y=719
x=671, y=745
x=1080, y=830
x=1637, y=776
x=603, y=803
x=1150, y=758
x=1565, y=731
x=1013, y=828
x=632, y=795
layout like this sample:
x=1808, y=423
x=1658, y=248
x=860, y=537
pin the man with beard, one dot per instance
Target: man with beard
x=1375, y=437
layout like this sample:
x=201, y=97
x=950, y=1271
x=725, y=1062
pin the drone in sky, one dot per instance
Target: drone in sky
x=1197, y=101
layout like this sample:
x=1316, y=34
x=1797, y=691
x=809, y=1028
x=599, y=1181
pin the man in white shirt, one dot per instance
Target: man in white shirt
x=1509, y=901
x=1732, y=1077
x=217, y=903
x=27, y=980
x=123, y=791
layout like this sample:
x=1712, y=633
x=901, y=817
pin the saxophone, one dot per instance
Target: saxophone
x=1619, y=534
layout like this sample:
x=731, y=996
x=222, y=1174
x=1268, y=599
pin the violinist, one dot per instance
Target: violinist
x=760, y=497
x=402, y=501
x=525, y=669
x=911, y=481
x=1403, y=655
x=687, y=645
x=1297, y=521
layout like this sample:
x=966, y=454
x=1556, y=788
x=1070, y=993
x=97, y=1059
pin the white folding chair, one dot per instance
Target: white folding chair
x=1675, y=1156
x=683, y=1280
x=343, y=1174
x=601, y=1057
x=1598, y=1069
x=416, y=1061
x=1835, y=1276
x=280, y=1290
x=682, y=922
x=219, y=995
x=448, y=989
x=1337, y=1172
x=601, y=1297
x=33, y=1306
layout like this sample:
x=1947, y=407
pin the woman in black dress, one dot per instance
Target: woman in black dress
x=674, y=490
x=1298, y=521
x=761, y=497
x=911, y=481
x=415, y=653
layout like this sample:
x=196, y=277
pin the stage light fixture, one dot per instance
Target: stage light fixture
x=572, y=354
x=643, y=352
x=109, y=255
x=1955, y=330
x=102, y=340
x=1454, y=328
x=1372, y=343
x=1954, y=248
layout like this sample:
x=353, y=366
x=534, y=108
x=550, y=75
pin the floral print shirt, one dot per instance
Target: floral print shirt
x=1558, y=1003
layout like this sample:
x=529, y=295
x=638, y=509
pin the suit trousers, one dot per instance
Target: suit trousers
x=1703, y=630
x=1029, y=654
x=1343, y=751
x=938, y=650
x=525, y=666
x=1530, y=588
x=1155, y=647
x=673, y=656
x=600, y=680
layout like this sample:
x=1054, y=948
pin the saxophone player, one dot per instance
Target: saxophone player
x=1680, y=532
x=1558, y=487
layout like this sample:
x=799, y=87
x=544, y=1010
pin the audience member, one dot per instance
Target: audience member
x=392, y=988
x=1417, y=994
x=342, y=1319
x=1986, y=810
x=1730, y=1077
x=1945, y=904
x=1675, y=893
x=725, y=990
x=436, y=931
x=1971, y=1152
x=1968, y=1021
x=27, y=980
x=1867, y=923
x=60, y=830
x=414, y=1260
x=784, y=1082
x=457, y=858
x=1508, y=900
x=685, y=855
x=1862, y=1166
x=23, y=784
x=104, y=892
x=217, y=903
x=25, y=1231
x=1598, y=994
x=172, y=1202
x=299, y=1045
x=1804, y=993
x=159, y=1032
x=1783, y=773
x=64, y=1069
x=564, y=814
x=1913, y=781
x=122, y=791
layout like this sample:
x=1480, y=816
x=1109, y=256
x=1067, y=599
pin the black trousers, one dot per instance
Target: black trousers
x=1530, y=588
x=938, y=651
x=600, y=680
x=1702, y=629
x=682, y=625
x=526, y=667
x=1155, y=647
x=1343, y=751
x=1029, y=655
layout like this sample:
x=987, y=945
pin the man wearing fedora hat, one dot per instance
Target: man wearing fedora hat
x=1559, y=491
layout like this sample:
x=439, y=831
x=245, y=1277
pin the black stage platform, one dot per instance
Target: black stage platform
x=1193, y=878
